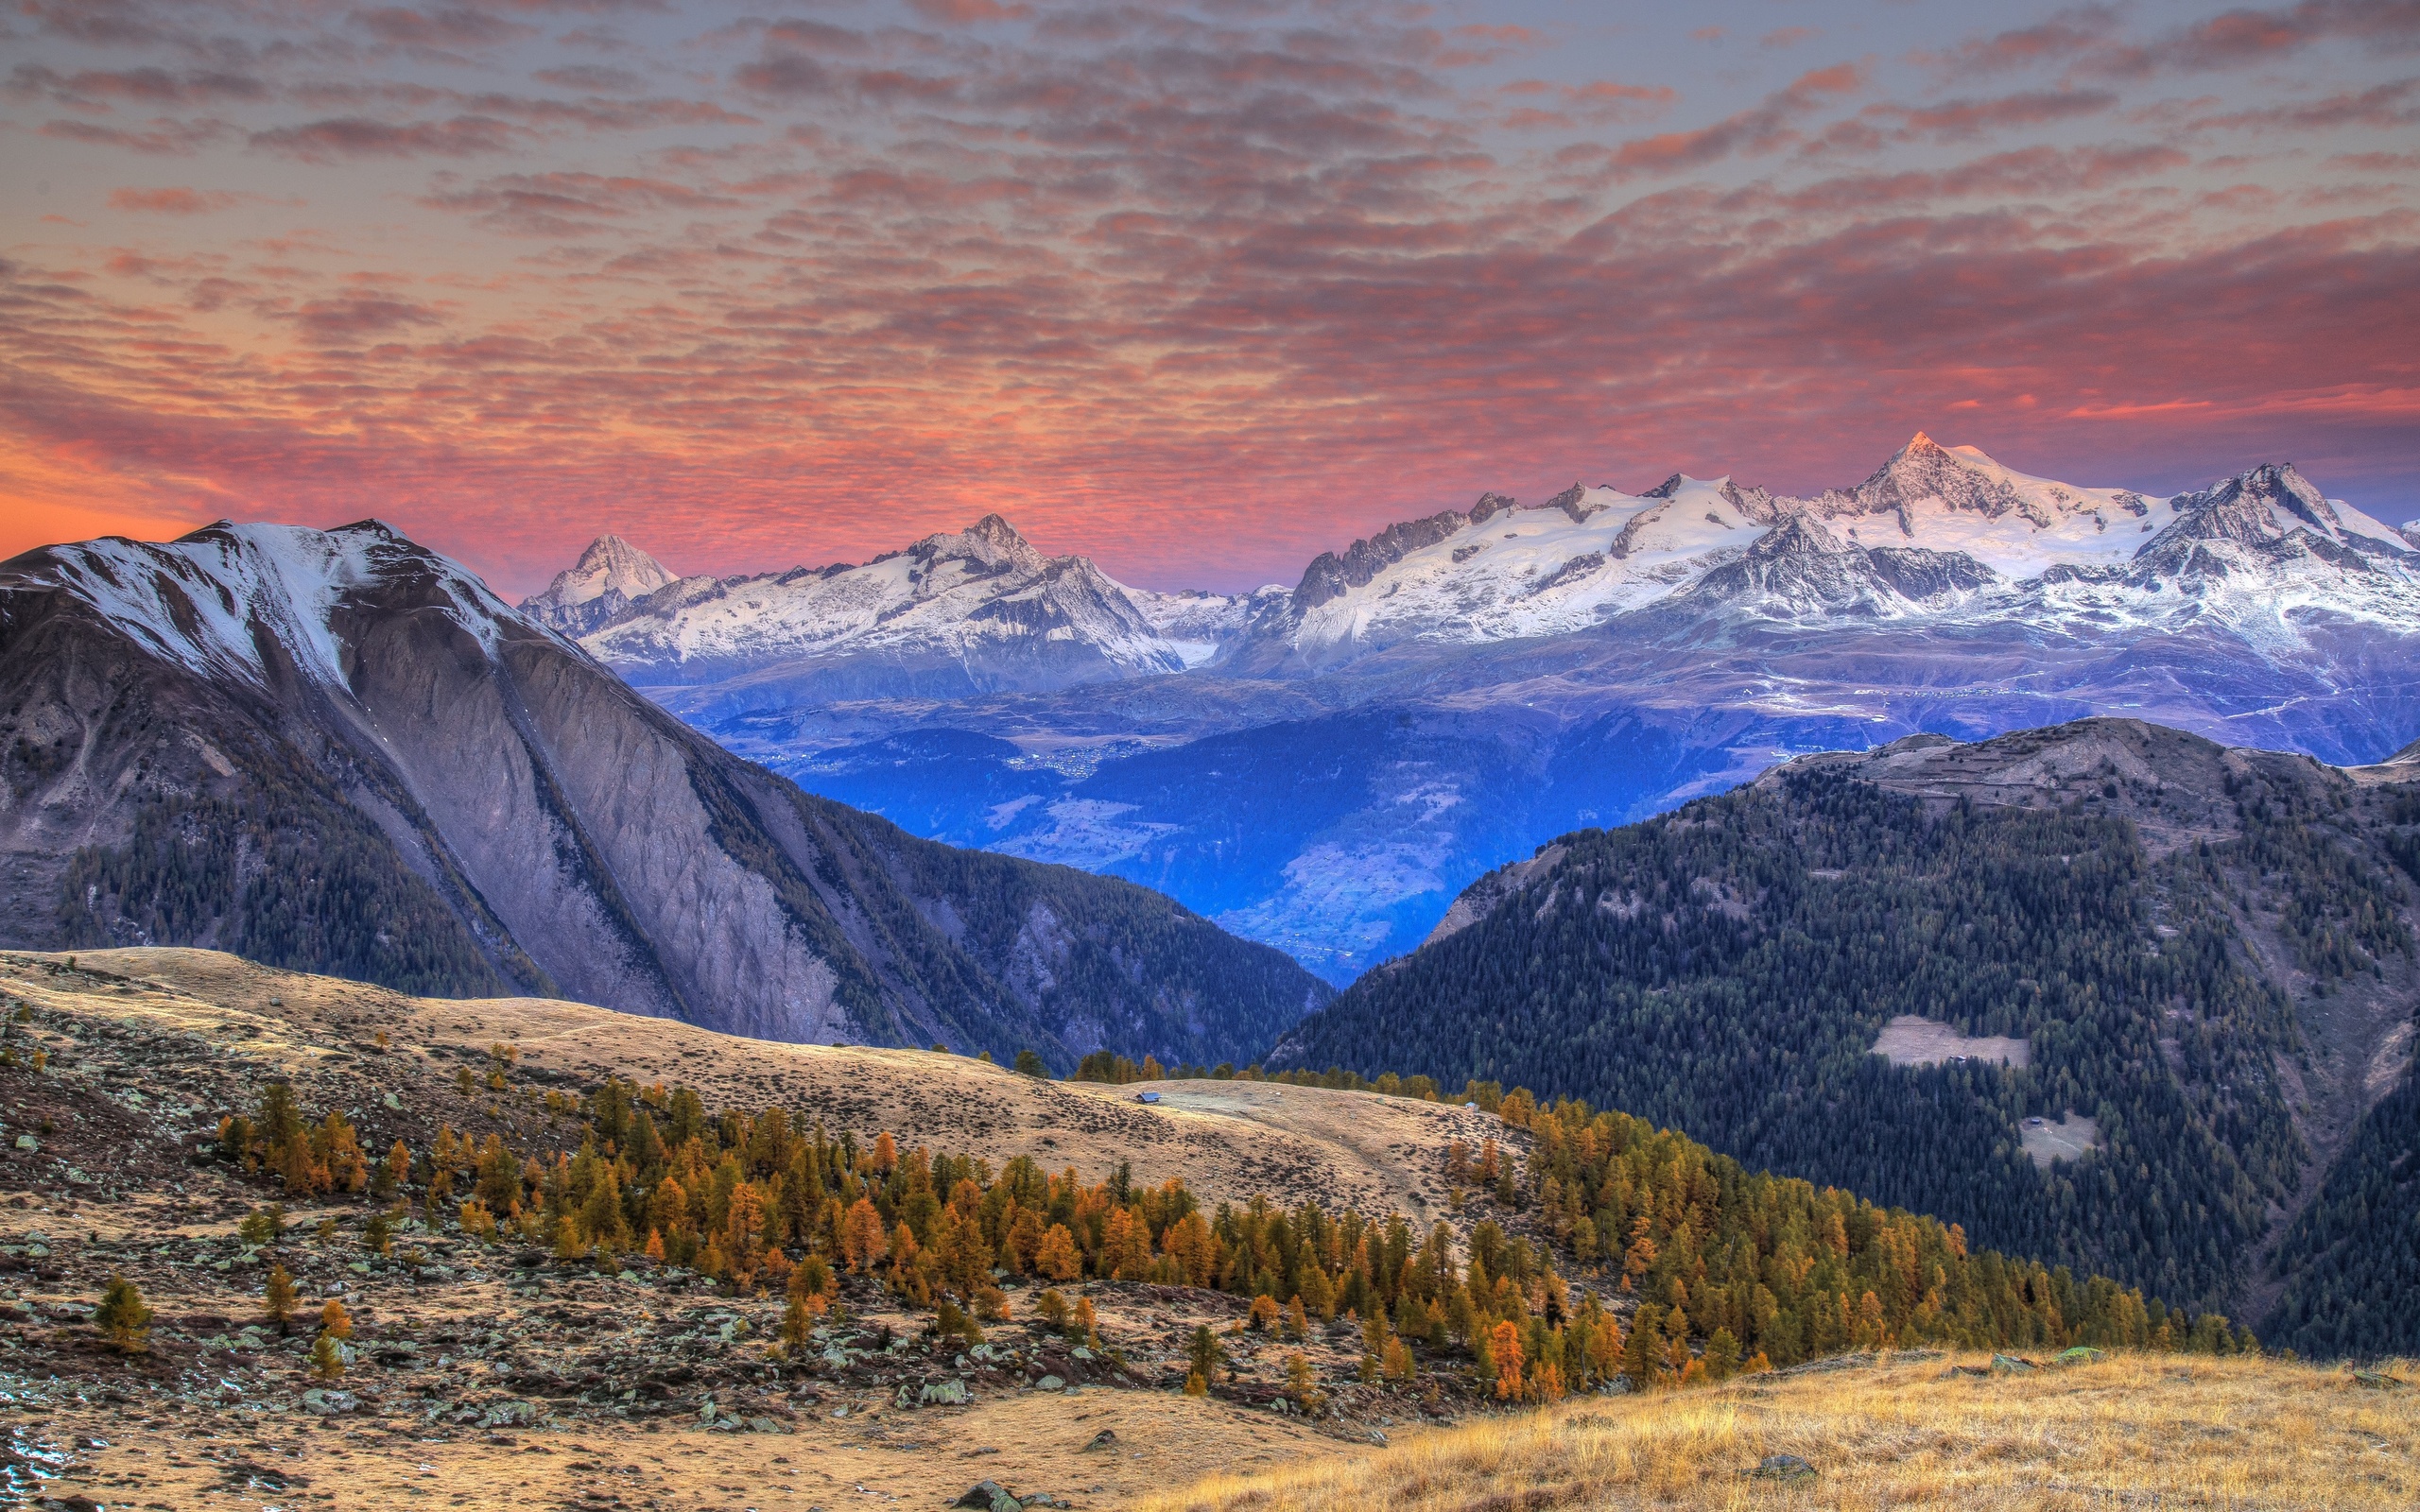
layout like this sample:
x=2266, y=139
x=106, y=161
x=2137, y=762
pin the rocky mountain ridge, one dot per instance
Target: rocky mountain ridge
x=1988, y=543
x=951, y=616
x=336, y=749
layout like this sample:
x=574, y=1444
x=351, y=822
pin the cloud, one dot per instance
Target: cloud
x=443, y=27
x=1601, y=102
x=352, y=317
x=352, y=136
x=1762, y=128
x=170, y=201
x=1275, y=268
x=159, y=138
x=2089, y=40
x=961, y=12
x=574, y=204
x=98, y=88
x=1967, y=119
x=595, y=78
x=2388, y=106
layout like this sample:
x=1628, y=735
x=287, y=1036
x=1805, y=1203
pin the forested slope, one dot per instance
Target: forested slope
x=2206, y=953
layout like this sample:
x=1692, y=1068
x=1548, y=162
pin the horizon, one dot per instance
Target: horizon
x=517, y=592
x=1195, y=290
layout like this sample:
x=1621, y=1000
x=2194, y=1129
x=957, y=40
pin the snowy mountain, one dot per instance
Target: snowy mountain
x=599, y=589
x=1936, y=533
x=953, y=615
x=1324, y=767
x=337, y=752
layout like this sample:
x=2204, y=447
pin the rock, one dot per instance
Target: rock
x=1378, y=1438
x=394, y=1104
x=1106, y=1439
x=990, y=1496
x=2009, y=1365
x=2080, y=1355
x=1782, y=1468
x=2377, y=1381
x=943, y=1394
x=328, y=1403
x=25, y=1142
x=764, y=1425
x=1049, y=1384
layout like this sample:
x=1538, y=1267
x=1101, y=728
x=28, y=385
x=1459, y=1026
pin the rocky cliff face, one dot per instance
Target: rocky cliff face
x=336, y=749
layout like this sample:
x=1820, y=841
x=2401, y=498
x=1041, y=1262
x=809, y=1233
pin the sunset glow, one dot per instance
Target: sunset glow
x=1196, y=290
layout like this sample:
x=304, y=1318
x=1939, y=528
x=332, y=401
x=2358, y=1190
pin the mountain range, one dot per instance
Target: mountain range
x=1455, y=688
x=2108, y=994
x=336, y=751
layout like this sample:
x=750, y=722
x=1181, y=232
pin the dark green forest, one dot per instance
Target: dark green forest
x=2351, y=1262
x=286, y=872
x=1725, y=969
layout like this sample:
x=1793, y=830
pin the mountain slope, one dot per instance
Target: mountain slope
x=337, y=750
x=2202, y=959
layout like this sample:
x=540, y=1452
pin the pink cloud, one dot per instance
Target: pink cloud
x=170, y=201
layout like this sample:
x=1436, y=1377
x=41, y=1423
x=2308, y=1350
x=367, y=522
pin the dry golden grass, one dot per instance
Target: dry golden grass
x=2132, y=1432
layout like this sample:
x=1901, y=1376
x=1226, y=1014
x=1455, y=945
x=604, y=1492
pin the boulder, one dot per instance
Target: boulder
x=2009, y=1365
x=1106, y=1440
x=1782, y=1468
x=328, y=1403
x=944, y=1394
x=989, y=1496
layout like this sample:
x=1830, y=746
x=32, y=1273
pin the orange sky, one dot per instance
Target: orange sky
x=1196, y=291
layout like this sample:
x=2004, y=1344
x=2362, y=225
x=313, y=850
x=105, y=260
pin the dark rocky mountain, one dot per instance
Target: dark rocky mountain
x=339, y=752
x=2107, y=994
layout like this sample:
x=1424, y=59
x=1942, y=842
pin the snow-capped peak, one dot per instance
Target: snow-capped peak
x=609, y=563
x=210, y=600
x=990, y=542
x=610, y=575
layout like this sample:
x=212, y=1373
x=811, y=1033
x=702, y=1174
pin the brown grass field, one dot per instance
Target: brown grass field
x=2132, y=1432
x=165, y=1038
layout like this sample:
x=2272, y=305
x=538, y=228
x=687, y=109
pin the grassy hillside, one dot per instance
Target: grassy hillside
x=1902, y=1433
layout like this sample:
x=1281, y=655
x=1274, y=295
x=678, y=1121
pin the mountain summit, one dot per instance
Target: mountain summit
x=599, y=589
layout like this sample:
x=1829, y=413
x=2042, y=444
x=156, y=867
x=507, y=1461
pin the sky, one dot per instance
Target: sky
x=1197, y=289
